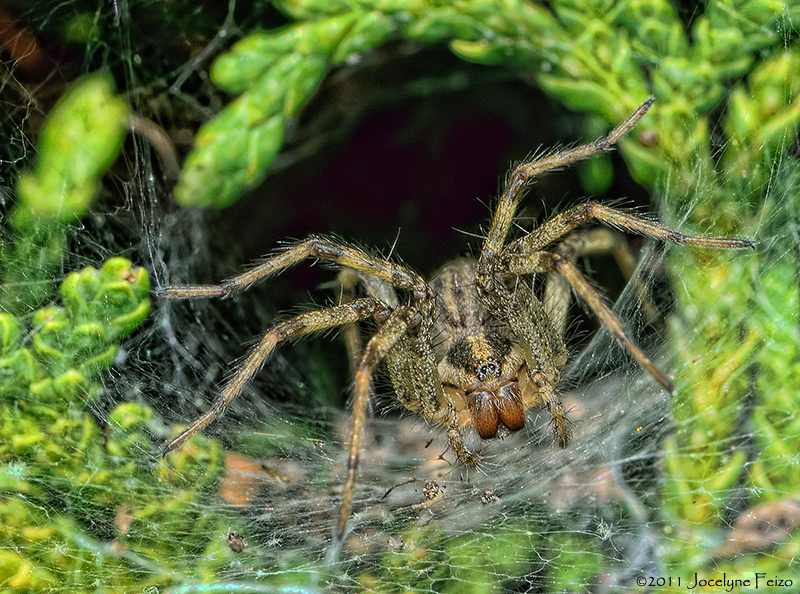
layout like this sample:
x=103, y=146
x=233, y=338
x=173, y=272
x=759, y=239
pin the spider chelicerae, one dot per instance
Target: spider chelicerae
x=473, y=348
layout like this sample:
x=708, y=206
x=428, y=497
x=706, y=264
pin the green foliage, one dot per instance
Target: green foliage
x=80, y=139
x=74, y=495
x=67, y=346
x=56, y=473
x=604, y=59
x=734, y=343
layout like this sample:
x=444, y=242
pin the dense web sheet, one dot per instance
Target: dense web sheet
x=654, y=490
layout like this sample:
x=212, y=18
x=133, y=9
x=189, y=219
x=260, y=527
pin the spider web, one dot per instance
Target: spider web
x=532, y=517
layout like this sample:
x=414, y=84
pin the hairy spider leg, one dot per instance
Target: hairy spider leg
x=590, y=243
x=564, y=222
x=347, y=283
x=523, y=173
x=393, y=329
x=549, y=262
x=306, y=323
x=525, y=256
x=316, y=247
x=313, y=247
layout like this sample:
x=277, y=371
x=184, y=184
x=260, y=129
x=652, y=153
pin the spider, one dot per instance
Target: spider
x=474, y=348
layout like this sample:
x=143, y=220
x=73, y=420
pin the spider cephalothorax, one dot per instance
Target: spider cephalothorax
x=479, y=359
x=474, y=347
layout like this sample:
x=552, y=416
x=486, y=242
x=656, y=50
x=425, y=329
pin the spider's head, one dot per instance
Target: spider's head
x=486, y=366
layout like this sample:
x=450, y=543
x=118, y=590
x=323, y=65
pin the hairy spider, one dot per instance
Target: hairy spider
x=474, y=347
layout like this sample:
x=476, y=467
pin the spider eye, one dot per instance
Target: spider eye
x=488, y=369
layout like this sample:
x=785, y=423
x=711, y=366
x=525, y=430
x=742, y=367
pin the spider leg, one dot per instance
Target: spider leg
x=564, y=222
x=348, y=280
x=391, y=331
x=549, y=262
x=313, y=321
x=525, y=172
x=351, y=335
x=593, y=242
x=320, y=248
x=545, y=350
x=525, y=255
